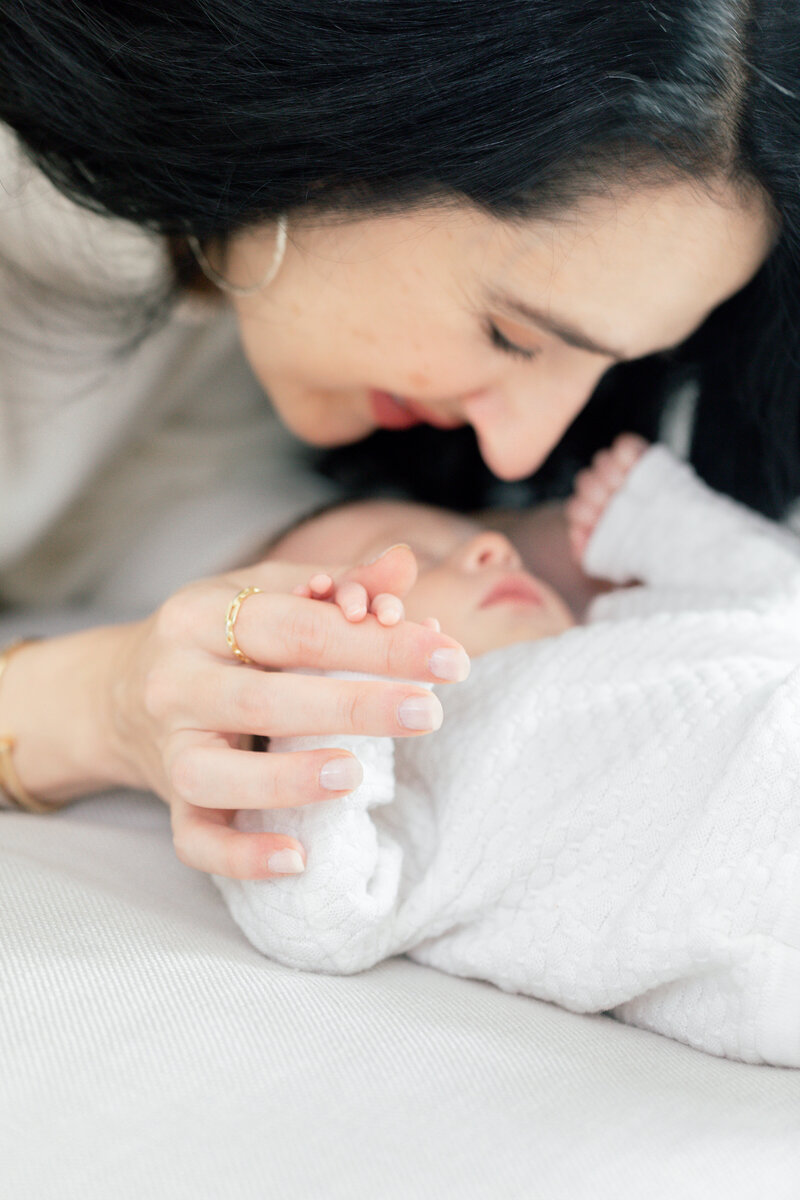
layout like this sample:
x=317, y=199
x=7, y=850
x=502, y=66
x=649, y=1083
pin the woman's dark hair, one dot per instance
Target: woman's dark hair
x=204, y=116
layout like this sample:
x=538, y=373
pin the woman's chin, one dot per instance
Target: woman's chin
x=321, y=425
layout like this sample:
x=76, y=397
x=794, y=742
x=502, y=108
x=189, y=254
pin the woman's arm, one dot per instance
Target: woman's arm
x=54, y=698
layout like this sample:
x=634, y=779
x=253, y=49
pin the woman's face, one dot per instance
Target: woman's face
x=453, y=317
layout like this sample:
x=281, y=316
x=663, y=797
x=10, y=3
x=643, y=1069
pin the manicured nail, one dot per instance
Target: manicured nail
x=341, y=775
x=370, y=561
x=449, y=664
x=420, y=712
x=286, y=862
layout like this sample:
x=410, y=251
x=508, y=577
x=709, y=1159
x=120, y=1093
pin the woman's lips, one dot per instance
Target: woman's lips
x=513, y=589
x=396, y=412
x=389, y=414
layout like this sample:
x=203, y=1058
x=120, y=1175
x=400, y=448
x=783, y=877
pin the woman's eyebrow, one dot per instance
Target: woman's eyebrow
x=561, y=329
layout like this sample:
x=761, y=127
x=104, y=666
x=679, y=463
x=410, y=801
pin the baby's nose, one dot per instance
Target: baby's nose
x=489, y=549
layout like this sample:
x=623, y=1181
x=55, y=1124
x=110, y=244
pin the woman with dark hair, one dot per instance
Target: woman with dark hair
x=531, y=220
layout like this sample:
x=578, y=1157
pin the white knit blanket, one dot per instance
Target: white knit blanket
x=609, y=819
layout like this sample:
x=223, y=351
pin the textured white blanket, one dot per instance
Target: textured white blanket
x=609, y=819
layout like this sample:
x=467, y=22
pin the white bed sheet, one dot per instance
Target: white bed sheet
x=148, y=1050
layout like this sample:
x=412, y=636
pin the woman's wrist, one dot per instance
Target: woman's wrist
x=56, y=702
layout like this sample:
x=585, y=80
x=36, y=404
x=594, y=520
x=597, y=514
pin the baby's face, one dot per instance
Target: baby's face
x=471, y=579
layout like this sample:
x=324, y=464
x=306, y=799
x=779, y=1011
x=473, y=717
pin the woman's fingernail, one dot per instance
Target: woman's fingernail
x=420, y=712
x=341, y=775
x=370, y=561
x=450, y=664
x=286, y=862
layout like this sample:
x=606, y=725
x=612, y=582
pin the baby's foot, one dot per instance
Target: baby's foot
x=595, y=486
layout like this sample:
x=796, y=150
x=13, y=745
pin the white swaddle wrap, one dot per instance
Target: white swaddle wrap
x=609, y=819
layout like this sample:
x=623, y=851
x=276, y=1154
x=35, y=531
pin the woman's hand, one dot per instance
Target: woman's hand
x=182, y=709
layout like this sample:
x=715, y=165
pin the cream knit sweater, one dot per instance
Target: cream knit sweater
x=122, y=475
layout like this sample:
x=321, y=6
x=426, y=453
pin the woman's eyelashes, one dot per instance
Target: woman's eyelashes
x=502, y=343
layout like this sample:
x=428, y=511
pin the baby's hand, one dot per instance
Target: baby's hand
x=353, y=599
x=595, y=486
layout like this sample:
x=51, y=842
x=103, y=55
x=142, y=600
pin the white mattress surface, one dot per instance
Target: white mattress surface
x=148, y=1050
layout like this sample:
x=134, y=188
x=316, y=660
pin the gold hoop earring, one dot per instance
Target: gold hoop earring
x=232, y=288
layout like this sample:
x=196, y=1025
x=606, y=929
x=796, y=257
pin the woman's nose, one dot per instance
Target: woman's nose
x=486, y=550
x=517, y=429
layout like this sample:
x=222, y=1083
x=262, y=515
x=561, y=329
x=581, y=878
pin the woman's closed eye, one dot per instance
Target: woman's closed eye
x=501, y=342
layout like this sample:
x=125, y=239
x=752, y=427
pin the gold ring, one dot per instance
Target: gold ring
x=230, y=620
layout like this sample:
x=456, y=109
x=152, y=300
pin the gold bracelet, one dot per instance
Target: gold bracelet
x=10, y=783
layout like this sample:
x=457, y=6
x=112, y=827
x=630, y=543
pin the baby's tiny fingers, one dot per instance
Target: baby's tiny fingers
x=432, y=623
x=628, y=448
x=320, y=586
x=352, y=599
x=388, y=608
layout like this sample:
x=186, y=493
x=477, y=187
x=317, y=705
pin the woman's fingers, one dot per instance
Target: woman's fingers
x=281, y=704
x=284, y=631
x=215, y=776
x=204, y=840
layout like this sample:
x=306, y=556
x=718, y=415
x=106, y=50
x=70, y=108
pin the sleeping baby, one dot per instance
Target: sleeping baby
x=609, y=818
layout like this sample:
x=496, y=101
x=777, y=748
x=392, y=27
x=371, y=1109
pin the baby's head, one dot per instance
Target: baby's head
x=470, y=578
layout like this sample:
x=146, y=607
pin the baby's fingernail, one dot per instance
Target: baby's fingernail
x=388, y=608
x=341, y=775
x=432, y=623
x=320, y=583
x=370, y=561
x=450, y=664
x=420, y=712
x=286, y=862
